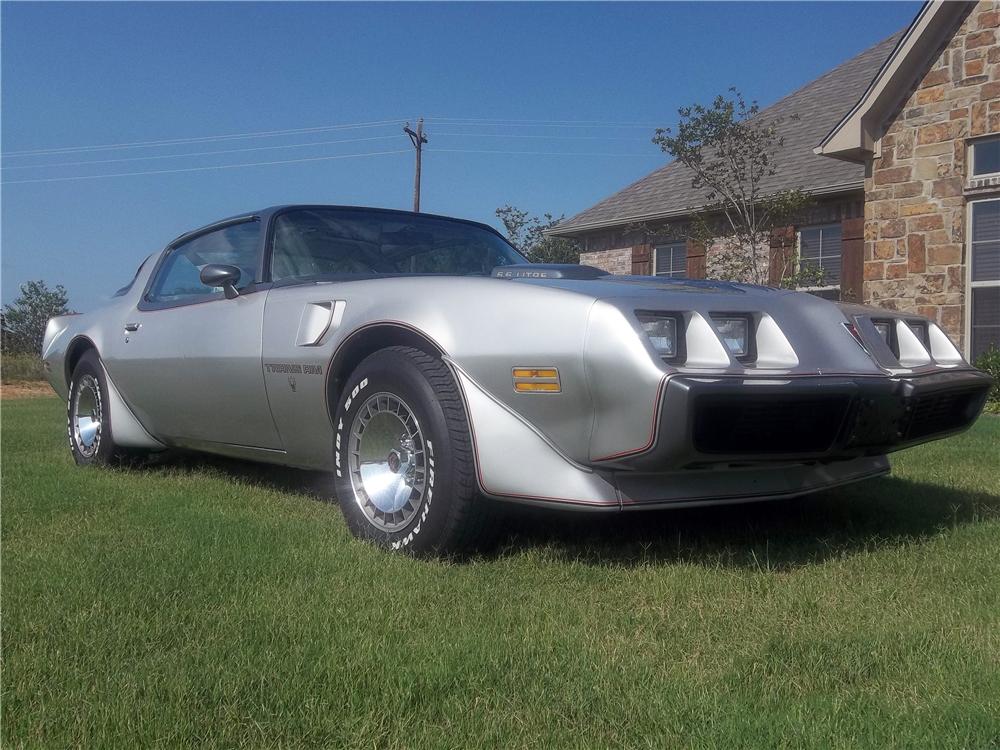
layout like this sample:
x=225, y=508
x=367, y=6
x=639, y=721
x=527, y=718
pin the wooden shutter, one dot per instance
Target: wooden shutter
x=852, y=260
x=696, y=267
x=782, y=252
x=641, y=262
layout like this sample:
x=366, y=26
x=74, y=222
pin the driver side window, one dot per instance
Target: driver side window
x=178, y=280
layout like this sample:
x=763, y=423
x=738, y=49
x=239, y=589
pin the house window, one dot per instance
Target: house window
x=986, y=157
x=984, y=277
x=670, y=260
x=819, y=257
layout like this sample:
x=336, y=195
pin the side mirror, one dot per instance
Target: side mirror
x=218, y=274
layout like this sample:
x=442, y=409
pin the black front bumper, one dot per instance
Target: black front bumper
x=725, y=421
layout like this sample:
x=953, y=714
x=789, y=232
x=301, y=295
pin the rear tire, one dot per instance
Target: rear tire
x=88, y=416
x=405, y=472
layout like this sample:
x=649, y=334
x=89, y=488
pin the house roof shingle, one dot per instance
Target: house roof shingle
x=820, y=105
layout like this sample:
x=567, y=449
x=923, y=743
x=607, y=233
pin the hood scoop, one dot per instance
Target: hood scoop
x=547, y=271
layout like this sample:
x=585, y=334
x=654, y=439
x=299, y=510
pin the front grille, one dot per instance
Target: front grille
x=942, y=412
x=749, y=425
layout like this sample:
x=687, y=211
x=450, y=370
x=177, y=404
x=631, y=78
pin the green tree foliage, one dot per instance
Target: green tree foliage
x=731, y=153
x=527, y=234
x=24, y=320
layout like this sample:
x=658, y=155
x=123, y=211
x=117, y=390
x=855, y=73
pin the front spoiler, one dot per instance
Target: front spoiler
x=514, y=461
x=705, y=422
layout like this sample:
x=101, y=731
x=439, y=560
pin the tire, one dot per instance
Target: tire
x=88, y=416
x=403, y=456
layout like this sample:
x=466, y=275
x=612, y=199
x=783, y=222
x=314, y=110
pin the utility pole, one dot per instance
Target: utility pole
x=418, y=139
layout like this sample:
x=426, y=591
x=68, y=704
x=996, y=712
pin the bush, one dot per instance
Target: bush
x=989, y=362
x=21, y=367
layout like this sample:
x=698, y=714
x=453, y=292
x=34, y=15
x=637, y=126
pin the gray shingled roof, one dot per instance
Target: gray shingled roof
x=820, y=105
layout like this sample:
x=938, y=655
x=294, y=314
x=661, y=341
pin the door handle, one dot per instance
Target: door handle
x=131, y=327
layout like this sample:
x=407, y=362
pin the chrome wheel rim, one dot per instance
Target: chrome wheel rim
x=87, y=416
x=387, y=462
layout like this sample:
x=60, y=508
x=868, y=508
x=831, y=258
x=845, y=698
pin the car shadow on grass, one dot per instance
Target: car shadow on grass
x=771, y=535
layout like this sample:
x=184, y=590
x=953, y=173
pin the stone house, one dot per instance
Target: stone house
x=927, y=130
x=906, y=213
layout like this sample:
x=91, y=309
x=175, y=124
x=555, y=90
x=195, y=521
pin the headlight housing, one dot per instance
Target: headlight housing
x=919, y=329
x=884, y=328
x=887, y=332
x=734, y=330
x=663, y=331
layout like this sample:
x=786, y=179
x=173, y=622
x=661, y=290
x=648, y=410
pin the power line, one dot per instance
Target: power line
x=197, y=153
x=203, y=169
x=550, y=137
x=545, y=123
x=534, y=153
x=319, y=158
x=202, y=139
x=306, y=145
x=327, y=128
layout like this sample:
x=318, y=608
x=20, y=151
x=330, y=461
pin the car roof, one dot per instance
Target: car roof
x=266, y=213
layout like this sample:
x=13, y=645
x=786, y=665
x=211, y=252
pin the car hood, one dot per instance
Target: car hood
x=606, y=287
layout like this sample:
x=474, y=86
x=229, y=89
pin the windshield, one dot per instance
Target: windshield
x=312, y=243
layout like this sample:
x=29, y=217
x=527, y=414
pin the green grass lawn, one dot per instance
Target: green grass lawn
x=215, y=603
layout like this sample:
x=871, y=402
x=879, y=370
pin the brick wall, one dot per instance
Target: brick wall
x=629, y=250
x=617, y=261
x=914, y=256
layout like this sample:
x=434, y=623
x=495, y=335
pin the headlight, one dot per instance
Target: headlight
x=884, y=328
x=661, y=329
x=735, y=331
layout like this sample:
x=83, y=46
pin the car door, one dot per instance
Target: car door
x=188, y=360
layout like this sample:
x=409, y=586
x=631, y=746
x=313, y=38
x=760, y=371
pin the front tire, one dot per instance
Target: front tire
x=403, y=456
x=88, y=416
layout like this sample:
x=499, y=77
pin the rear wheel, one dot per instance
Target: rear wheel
x=404, y=465
x=88, y=416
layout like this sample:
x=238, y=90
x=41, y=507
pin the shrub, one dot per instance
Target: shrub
x=21, y=367
x=989, y=362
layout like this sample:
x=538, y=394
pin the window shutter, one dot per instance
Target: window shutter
x=782, y=249
x=695, y=260
x=852, y=260
x=641, y=264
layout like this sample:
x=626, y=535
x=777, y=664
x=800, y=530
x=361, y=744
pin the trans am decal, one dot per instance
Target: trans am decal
x=285, y=368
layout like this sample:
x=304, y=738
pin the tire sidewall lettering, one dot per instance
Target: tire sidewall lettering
x=344, y=418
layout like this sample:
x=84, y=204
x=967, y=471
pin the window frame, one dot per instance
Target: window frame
x=148, y=305
x=969, y=283
x=971, y=159
x=840, y=255
x=682, y=244
x=128, y=287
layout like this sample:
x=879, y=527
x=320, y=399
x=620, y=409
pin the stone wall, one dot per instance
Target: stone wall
x=618, y=260
x=915, y=194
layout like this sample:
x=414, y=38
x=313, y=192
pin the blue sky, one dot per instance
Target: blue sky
x=79, y=75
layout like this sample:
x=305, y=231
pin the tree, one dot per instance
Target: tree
x=527, y=234
x=730, y=152
x=25, y=319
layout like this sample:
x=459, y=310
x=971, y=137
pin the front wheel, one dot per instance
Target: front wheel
x=403, y=456
x=88, y=416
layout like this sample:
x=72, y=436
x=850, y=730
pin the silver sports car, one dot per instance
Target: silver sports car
x=427, y=366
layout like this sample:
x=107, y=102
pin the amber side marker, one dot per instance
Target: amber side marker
x=536, y=380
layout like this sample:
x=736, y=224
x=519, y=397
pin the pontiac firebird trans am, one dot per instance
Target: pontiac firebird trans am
x=427, y=366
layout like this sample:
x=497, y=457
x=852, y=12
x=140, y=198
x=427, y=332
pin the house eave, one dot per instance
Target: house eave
x=578, y=229
x=855, y=137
